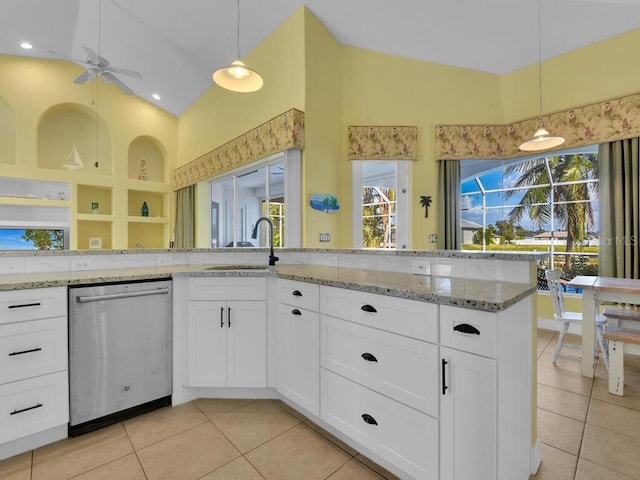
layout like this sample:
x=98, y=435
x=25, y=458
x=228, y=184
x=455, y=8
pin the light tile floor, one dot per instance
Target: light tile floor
x=586, y=434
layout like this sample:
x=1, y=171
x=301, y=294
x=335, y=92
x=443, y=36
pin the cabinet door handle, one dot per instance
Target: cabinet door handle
x=466, y=328
x=369, y=419
x=15, y=412
x=229, y=317
x=295, y=311
x=369, y=357
x=296, y=293
x=369, y=309
x=444, y=374
x=22, y=352
x=221, y=317
x=24, y=305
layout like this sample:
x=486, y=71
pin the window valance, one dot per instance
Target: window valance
x=277, y=135
x=383, y=143
x=592, y=124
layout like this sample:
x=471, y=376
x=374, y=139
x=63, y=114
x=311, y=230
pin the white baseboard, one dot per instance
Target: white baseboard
x=535, y=457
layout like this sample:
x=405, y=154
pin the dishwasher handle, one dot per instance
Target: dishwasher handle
x=115, y=296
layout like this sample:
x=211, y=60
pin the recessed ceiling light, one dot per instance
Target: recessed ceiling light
x=26, y=45
x=156, y=96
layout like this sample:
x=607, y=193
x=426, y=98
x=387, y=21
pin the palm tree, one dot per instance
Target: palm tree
x=560, y=179
x=425, y=201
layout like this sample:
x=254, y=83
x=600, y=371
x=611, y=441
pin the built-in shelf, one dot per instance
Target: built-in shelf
x=160, y=220
x=88, y=195
x=90, y=217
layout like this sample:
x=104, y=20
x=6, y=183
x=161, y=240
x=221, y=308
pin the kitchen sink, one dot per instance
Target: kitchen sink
x=237, y=267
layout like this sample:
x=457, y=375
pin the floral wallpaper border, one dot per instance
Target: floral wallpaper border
x=277, y=135
x=383, y=143
x=596, y=123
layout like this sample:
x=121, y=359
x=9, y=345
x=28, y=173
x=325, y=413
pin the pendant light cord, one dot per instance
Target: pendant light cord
x=540, y=60
x=238, y=29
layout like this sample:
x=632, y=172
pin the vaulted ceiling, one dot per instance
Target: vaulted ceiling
x=176, y=45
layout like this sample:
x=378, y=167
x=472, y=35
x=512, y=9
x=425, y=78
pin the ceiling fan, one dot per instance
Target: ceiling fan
x=97, y=66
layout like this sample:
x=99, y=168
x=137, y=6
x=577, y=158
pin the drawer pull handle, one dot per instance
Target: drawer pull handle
x=25, y=351
x=369, y=309
x=369, y=357
x=444, y=373
x=466, y=328
x=296, y=293
x=369, y=419
x=221, y=317
x=15, y=412
x=36, y=304
x=295, y=311
x=229, y=317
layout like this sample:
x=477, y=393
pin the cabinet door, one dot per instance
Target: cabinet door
x=468, y=416
x=247, y=344
x=299, y=357
x=207, y=337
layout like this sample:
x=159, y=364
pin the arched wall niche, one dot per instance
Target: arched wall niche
x=66, y=126
x=7, y=134
x=147, y=159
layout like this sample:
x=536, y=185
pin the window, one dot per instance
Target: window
x=263, y=189
x=380, y=192
x=541, y=203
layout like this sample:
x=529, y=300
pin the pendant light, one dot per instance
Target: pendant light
x=542, y=139
x=237, y=77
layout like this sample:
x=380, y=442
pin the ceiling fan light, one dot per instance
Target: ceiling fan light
x=238, y=78
x=541, y=140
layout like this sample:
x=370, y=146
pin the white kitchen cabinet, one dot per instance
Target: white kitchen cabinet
x=227, y=338
x=299, y=344
x=34, y=391
x=486, y=395
x=468, y=416
x=379, y=377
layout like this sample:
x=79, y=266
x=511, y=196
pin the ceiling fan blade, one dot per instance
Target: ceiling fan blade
x=83, y=77
x=124, y=71
x=91, y=55
x=108, y=77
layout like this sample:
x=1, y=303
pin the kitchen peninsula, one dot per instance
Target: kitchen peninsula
x=409, y=369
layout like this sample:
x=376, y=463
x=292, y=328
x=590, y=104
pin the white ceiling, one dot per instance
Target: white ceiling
x=177, y=44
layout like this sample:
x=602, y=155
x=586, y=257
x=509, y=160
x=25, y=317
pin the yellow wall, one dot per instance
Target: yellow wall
x=592, y=74
x=323, y=167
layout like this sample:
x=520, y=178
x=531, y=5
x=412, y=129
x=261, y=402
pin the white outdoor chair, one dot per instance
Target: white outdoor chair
x=567, y=318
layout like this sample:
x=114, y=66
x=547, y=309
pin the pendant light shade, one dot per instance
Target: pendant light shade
x=237, y=77
x=542, y=139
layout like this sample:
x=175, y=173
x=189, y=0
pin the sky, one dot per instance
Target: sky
x=11, y=239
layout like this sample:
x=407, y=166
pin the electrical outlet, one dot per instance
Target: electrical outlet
x=325, y=237
x=421, y=267
x=433, y=238
x=163, y=260
x=81, y=264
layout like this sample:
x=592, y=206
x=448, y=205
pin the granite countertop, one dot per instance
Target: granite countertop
x=475, y=294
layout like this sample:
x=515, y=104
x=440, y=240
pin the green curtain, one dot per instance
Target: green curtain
x=185, y=217
x=449, y=235
x=619, y=252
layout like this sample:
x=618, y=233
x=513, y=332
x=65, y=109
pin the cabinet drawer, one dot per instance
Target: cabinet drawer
x=28, y=349
x=399, y=367
x=227, y=288
x=299, y=294
x=406, y=317
x=33, y=405
x=473, y=331
x=401, y=435
x=32, y=304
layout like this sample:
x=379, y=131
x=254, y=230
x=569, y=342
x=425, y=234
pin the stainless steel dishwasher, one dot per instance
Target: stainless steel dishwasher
x=119, y=352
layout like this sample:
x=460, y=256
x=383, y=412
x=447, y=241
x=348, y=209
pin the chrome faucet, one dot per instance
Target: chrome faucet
x=272, y=258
